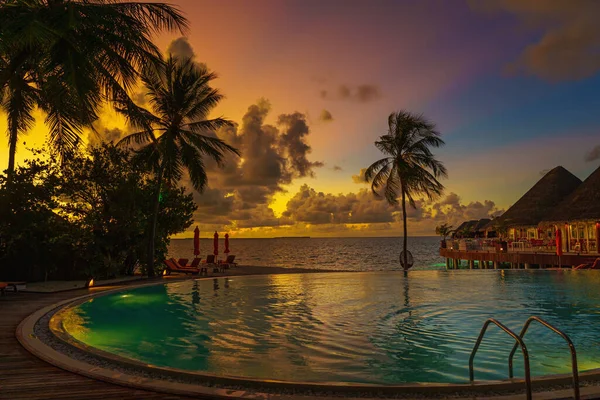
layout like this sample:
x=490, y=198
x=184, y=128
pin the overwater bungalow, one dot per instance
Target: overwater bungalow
x=522, y=219
x=578, y=217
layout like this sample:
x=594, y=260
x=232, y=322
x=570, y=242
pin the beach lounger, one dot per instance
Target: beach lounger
x=182, y=262
x=229, y=262
x=172, y=266
x=210, y=260
x=13, y=286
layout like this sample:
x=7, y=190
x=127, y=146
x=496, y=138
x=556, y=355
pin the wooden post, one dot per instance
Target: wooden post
x=495, y=264
x=598, y=237
x=471, y=263
x=527, y=266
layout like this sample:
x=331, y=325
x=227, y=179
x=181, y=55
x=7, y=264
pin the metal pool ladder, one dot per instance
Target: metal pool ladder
x=519, y=342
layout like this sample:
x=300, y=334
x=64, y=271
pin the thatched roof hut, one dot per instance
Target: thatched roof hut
x=481, y=225
x=541, y=199
x=471, y=228
x=583, y=204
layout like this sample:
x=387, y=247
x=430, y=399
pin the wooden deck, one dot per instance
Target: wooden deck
x=23, y=376
x=537, y=259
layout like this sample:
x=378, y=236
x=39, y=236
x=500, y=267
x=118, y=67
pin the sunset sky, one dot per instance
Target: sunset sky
x=511, y=84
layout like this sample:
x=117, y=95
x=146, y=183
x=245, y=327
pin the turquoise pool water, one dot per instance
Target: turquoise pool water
x=368, y=327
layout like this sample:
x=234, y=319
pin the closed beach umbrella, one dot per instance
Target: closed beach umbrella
x=196, y=242
x=558, y=243
x=216, y=244
x=226, y=243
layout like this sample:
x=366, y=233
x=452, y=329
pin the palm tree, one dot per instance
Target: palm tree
x=444, y=230
x=172, y=133
x=409, y=169
x=68, y=57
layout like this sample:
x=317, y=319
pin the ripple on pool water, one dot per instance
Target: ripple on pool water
x=373, y=327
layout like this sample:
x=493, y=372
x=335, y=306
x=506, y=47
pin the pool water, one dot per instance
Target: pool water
x=367, y=327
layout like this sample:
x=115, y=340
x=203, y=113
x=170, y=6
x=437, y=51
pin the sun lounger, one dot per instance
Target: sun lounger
x=14, y=286
x=172, y=266
x=594, y=265
x=210, y=260
x=182, y=262
x=229, y=262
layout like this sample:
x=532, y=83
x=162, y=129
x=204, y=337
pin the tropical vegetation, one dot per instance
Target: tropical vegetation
x=174, y=130
x=409, y=168
x=85, y=217
x=69, y=57
x=443, y=230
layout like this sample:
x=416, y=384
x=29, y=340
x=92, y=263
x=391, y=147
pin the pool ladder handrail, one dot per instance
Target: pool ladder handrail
x=519, y=342
x=561, y=334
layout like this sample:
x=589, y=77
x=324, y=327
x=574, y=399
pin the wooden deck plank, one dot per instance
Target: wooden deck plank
x=24, y=376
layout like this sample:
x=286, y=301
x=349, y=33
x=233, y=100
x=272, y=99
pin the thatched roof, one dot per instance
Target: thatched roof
x=541, y=199
x=581, y=205
x=473, y=226
x=481, y=224
x=466, y=226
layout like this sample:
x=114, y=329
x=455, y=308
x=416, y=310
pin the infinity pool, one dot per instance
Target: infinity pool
x=372, y=327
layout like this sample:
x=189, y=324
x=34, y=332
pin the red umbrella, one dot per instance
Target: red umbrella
x=196, y=242
x=216, y=244
x=226, y=243
x=559, y=251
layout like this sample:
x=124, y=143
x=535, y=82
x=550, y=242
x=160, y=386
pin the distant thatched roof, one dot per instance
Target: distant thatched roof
x=541, y=199
x=473, y=226
x=581, y=205
x=466, y=226
x=481, y=224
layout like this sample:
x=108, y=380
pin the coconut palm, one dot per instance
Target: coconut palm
x=172, y=132
x=409, y=169
x=68, y=57
x=444, y=230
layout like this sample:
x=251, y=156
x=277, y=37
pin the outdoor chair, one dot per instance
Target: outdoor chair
x=210, y=259
x=229, y=262
x=182, y=261
x=172, y=266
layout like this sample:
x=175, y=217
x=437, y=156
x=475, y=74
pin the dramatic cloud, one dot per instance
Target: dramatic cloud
x=360, y=178
x=325, y=116
x=362, y=93
x=569, y=45
x=102, y=134
x=272, y=157
x=314, y=207
x=293, y=143
x=348, y=211
x=593, y=154
x=181, y=47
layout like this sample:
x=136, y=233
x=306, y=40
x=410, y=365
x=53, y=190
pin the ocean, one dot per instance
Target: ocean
x=343, y=254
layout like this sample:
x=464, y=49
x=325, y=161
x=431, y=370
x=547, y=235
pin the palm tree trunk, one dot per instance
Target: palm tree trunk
x=12, y=149
x=405, y=239
x=152, y=237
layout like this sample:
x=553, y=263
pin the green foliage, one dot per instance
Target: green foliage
x=175, y=134
x=68, y=57
x=88, y=216
x=409, y=169
x=443, y=230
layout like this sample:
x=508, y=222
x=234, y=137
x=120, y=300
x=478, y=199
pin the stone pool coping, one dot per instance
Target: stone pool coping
x=135, y=374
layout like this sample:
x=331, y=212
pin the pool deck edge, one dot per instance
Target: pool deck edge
x=480, y=390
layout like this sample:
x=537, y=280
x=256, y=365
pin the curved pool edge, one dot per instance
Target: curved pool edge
x=25, y=334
